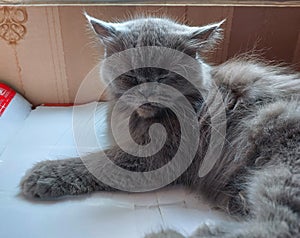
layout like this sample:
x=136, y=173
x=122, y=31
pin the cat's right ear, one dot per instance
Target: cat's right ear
x=104, y=30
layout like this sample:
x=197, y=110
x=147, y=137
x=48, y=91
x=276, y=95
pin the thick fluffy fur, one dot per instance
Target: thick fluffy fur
x=257, y=178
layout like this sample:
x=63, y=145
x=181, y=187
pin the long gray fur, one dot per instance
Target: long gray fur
x=257, y=178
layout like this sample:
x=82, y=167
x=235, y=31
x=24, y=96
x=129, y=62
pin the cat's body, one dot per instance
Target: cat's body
x=257, y=176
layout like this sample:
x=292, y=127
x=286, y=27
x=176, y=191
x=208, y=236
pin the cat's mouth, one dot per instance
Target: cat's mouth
x=149, y=109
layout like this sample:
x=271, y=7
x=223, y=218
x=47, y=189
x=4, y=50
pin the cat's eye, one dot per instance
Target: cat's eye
x=131, y=79
x=129, y=76
x=126, y=81
x=163, y=79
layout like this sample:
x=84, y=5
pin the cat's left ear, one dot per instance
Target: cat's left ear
x=206, y=37
x=104, y=30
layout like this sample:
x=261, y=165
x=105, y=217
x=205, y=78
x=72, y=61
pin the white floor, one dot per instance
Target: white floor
x=46, y=133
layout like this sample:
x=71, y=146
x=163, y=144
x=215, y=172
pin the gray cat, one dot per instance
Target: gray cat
x=257, y=177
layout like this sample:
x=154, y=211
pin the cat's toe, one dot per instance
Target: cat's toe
x=40, y=182
x=165, y=234
x=219, y=230
x=206, y=231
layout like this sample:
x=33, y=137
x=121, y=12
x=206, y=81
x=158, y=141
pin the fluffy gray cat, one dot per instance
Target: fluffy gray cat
x=257, y=177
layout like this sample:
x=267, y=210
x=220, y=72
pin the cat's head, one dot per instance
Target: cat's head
x=153, y=32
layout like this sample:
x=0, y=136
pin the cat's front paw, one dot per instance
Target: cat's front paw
x=43, y=181
x=165, y=234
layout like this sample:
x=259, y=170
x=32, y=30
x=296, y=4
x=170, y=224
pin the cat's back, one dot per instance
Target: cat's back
x=251, y=80
x=262, y=104
x=262, y=116
x=251, y=88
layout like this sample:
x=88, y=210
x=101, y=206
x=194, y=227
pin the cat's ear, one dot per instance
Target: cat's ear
x=104, y=30
x=207, y=36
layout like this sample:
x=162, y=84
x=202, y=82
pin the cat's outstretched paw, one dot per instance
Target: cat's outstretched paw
x=56, y=178
x=165, y=234
x=42, y=181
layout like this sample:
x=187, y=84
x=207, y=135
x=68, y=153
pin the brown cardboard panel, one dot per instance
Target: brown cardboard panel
x=151, y=11
x=78, y=54
x=204, y=15
x=57, y=52
x=10, y=39
x=111, y=13
x=9, y=70
x=34, y=65
x=296, y=57
x=173, y=12
x=177, y=13
x=272, y=32
x=247, y=30
x=282, y=26
x=39, y=56
x=279, y=3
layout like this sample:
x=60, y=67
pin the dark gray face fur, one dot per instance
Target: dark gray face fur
x=117, y=37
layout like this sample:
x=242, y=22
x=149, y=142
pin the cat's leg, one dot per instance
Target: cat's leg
x=274, y=193
x=56, y=178
x=274, y=197
x=272, y=189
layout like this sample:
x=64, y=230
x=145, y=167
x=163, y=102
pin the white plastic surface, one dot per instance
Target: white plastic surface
x=12, y=118
x=47, y=134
